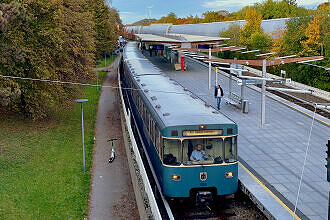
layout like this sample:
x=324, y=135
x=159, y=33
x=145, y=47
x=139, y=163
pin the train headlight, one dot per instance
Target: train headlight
x=176, y=177
x=229, y=174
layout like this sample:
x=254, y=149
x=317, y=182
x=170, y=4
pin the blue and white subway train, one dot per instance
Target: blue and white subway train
x=172, y=122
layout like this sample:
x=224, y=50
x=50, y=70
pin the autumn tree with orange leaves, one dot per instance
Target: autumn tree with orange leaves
x=312, y=45
x=252, y=25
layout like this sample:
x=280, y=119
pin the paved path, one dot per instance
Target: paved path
x=277, y=150
x=112, y=195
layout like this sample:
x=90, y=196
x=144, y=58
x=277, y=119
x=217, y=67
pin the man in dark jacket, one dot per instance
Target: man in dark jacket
x=218, y=93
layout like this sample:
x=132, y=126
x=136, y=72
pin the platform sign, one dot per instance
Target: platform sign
x=159, y=47
x=249, y=82
x=235, y=69
x=203, y=46
x=279, y=81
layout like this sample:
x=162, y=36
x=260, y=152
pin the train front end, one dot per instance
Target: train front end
x=200, y=162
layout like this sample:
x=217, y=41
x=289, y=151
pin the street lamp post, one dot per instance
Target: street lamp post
x=210, y=67
x=216, y=76
x=263, y=93
x=97, y=82
x=81, y=101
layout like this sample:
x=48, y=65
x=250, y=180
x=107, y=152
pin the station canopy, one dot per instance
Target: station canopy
x=156, y=39
x=179, y=39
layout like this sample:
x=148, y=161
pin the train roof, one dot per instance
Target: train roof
x=174, y=105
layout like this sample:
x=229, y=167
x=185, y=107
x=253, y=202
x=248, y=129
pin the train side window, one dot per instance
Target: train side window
x=134, y=95
x=161, y=143
x=151, y=125
x=143, y=112
x=146, y=118
x=148, y=123
x=157, y=134
x=150, y=128
x=140, y=108
x=172, y=152
x=152, y=131
x=231, y=149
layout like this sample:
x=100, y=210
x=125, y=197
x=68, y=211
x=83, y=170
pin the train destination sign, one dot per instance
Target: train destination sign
x=193, y=133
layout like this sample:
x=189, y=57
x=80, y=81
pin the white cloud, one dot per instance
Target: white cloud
x=220, y=4
x=309, y=2
x=126, y=12
x=130, y=17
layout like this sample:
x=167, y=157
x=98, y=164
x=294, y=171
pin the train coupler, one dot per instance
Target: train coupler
x=204, y=198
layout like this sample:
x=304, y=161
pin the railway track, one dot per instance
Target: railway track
x=304, y=100
x=237, y=206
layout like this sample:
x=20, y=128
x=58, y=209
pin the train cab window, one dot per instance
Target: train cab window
x=211, y=151
x=230, y=149
x=172, y=152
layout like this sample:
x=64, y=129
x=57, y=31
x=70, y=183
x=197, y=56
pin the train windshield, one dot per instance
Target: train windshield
x=203, y=151
x=200, y=151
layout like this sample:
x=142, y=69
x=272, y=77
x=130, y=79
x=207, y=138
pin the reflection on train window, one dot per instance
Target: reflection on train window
x=230, y=149
x=213, y=149
x=172, y=152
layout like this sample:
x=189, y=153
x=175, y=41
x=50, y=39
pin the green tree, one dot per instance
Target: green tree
x=261, y=41
x=252, y=25
x=170, y=18
x=240, y=14
x=294, y=34
x=312, y=45
x=106, y=20
x=48, y=40
x=323, y=12
x=212, y=16
x=233, y=32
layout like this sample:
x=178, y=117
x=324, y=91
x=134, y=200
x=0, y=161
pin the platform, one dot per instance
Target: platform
x=275, y=152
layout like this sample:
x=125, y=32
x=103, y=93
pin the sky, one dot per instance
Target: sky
x=134, y=10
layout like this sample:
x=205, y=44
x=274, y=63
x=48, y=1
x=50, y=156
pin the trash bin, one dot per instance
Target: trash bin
x=245, y=106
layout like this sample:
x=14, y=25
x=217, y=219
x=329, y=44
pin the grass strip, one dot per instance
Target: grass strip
x=41, y=172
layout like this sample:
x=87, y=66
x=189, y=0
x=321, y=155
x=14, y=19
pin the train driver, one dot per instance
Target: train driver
x=198, y=154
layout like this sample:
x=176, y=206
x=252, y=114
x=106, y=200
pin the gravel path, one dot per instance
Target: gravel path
x=112, y=195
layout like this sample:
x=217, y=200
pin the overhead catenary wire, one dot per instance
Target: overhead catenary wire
x=85, y=84
x=303, y=167
x=116, y=87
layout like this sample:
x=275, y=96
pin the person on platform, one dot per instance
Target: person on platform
x=198, y=154
x=218, y=93
x=150, y=50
